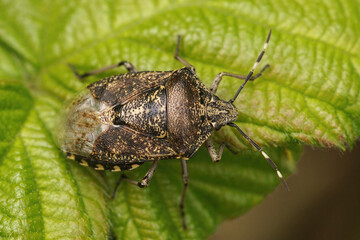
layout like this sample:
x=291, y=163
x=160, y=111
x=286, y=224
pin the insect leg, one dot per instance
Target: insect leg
x=117, y=185
x=150, y=173
x=273, y=165
x=143, y=183
x=216, y=157
x=180, y=59
x=126, y=64
x=219, y=77
x=185, y=177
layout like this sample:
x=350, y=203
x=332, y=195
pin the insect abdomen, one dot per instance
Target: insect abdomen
x=81, y=125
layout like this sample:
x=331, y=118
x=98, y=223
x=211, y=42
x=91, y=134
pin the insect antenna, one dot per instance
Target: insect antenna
x=263, y=153
x=253, y=69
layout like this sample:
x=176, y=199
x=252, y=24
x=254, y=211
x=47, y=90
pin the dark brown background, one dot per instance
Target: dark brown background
x=324, y=202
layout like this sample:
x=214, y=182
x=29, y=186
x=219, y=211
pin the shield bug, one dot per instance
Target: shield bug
x=122, y=121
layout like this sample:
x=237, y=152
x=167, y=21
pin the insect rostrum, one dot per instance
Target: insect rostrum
x=122, y=121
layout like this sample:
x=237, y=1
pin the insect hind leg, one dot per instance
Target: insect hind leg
x=129, y=66
x=185, y=177
x=180, y=59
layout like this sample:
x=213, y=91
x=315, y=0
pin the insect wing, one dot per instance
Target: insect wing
x=119, y=89
x=120, y=144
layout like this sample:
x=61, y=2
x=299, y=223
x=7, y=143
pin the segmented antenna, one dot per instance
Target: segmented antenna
x=253, y=68
x=263, y=153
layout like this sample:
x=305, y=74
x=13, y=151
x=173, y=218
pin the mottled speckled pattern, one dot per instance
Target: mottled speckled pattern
x=125, y=120
x=128, y=119
x=119, y=89
x=145, y=113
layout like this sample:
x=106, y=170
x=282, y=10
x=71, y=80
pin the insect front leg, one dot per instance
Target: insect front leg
x=218, y=78
x=185, y=177
x=216, y=156
x=143, y=183
x=126, y=64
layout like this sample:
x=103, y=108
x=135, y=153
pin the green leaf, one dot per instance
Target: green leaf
x=226, y=190
x=310, y=95
x=43, y=196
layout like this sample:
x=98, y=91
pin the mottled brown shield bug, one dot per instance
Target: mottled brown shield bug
x=122, y=121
